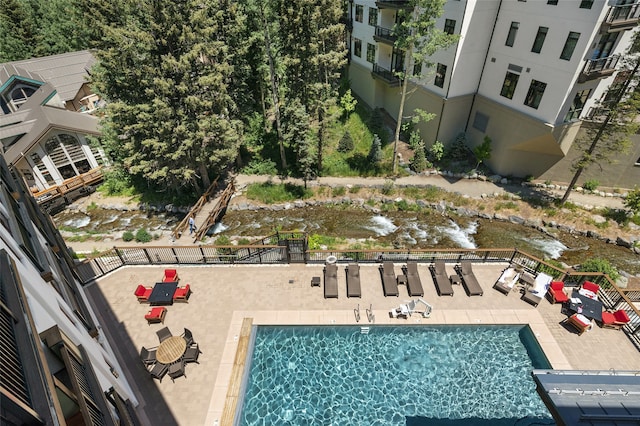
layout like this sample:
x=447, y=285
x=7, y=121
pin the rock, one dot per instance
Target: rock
x=483, y=195
x=623, y=242
x=421, y=203
x=473, y=176
x=499, y=216
x=484, y=215
x=598, y=219
x=482, y=178
x=299, y=204
x=494, y=178
x=593, y=234
x=516, y=219
x=622, y=281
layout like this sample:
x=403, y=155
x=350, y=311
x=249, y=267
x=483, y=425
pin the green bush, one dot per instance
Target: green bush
x=375, y=153
x=223, y=240
x=260, y=167
x=338, y=191
x=388, y=187
x=591, y=185
x=142, y=236
x=355, y=189
x=127, y=236
x=600, y=265
x=244, y=242
x=346, y=143
x=632, y=200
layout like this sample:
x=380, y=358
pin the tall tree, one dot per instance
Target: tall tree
x=17, y=30
x=296, y=131
x=418, y=37
x=620, y=109
x=166, y=74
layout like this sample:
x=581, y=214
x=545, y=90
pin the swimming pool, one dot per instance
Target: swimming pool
x=405, y=375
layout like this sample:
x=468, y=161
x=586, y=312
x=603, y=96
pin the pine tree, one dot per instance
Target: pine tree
x=346, y=143
x=166, y=73
x=419, y=161
x=375, y=153
x=17, y=30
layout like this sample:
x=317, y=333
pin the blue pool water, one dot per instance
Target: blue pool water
x=409, y=375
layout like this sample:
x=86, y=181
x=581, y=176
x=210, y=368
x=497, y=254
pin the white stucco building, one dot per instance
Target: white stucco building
x=523, y=72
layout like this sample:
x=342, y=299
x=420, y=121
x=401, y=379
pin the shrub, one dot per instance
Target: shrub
x=346, y=143
x=387, y=187
x=223, y=240
x=142, y=236
x=355, y=189
x=338, y=191
x=600, y=265
x=375, y=153
x=127, y=236
x=591, y=185
x=260, y=167
x=419, y=161
x=436, y=152
x=348, y=103
x=632, y=200
x=244, y=242
x=92, y=206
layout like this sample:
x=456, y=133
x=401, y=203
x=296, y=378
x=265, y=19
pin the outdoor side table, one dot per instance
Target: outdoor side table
x=402, y=279
x=315, y=282
x=455, y=279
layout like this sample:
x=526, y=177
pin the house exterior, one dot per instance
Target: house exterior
x=46, y=109
x=58, y=368
x=525, y=73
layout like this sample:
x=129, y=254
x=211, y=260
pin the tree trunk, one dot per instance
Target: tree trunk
x=320, y=136
x=204, y=175
x=403, y=95
x=601, y=130
x=274, y=87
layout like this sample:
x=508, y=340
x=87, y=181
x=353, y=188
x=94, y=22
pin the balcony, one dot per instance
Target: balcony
x=599, y=68
x=393, y=4
x=621, y=17
x=384, y=35
x=385, y=75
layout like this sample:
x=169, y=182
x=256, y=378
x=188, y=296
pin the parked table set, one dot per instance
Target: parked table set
x=162, y=293
x=590, y=308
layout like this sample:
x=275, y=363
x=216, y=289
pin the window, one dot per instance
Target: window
x=637, y=162
x=586, y=4
x=534, y=96
x=357, y=47
x=480, y=122
x=441, y=72
x=539, y=41
x=509, y=85
x=511, y=37
x=605, y=45
x=417, y=69
x=373, y=16
x=449, y=26
x=553, y=2
x=359, y=12
x=569, y=45
x=577, y=105
x=371, y=53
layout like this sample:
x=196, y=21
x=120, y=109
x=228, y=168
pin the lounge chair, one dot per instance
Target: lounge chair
x=469, y=280
x=163, y=334
x=539, y=289
x=414, y=285
x=579, y=322
x=353, y=280
x=615, y=319
x=441, y=279
x=389, y=283
x=331, y=281
x=507, y=280
x=148, y=356
x=156, y=315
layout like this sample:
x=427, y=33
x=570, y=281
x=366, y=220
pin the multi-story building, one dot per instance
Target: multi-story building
x=524, y=73
x=56, y=366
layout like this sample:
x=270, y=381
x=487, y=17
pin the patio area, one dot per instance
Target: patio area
x=224, y=295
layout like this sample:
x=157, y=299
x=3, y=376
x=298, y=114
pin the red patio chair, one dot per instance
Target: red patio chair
x=592, y=287
x=579, y=322
x=156, y=315
x=615, y=319
x=142, y=293
x=556, y=292
x=170, y=275
x=182, y=294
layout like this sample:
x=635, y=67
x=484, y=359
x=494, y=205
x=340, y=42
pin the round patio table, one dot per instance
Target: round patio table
x=171, y=349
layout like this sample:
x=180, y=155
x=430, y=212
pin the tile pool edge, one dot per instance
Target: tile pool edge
x=533, y=319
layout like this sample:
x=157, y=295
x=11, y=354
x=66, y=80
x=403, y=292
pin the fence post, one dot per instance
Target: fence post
x=119, y=255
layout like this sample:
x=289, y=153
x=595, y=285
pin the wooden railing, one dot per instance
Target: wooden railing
x=204, y=199
x=268, y=251
x=85, y=179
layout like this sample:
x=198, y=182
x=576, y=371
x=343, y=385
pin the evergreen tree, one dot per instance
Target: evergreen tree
x=375, y=153
x=346, y=143
x=166, y=73
x=417, y=36
x=17, y=30
x=419, y=161
x=58, y=31
x=296, y=132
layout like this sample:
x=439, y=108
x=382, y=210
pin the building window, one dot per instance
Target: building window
x=509, y=85
x=441, y=72
x=605, y=45
x=511, y=37
x=577, y=105
x=371, y=53
x=373, y=16
x=553, y=2
x=569, y=45
x=480, y=122
x=586, y=4
x=417, y=69
x=357, y=47
x=534, y=96
x=359, y=12
x=449, y=26
x=637, y=162
x=539, y=41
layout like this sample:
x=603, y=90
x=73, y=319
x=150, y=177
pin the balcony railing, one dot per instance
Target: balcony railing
x=387, y=76
x=599, y=68
x=392, y=4
x=623, y=16
x=384, y=35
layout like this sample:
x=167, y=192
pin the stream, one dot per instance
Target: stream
x=352, y=225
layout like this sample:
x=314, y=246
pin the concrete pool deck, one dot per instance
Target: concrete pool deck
x=223, y=296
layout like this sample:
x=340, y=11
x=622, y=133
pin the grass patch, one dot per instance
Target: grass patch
x=355, y=189
x=338, y=191
x=599, y=225
x=270, y=193
x=317, y=242
x=508, y=205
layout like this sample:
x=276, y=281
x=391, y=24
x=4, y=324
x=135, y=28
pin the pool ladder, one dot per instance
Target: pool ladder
x=364, y=330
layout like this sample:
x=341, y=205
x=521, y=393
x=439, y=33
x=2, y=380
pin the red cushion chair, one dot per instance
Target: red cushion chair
x=156, y=315
x=142, y=293
x=556, y=292
x=170, y=275
x=182, y=294
x=615, y=319
x=588, y=285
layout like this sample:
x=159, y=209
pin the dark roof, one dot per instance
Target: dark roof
x=590, y=397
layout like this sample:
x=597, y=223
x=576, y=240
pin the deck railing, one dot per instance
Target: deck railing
x=269, y=252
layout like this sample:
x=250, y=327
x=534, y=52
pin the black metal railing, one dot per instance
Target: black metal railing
x=602, y=64
x=389, y=76
x=623, y=13
x=392, y=4
x=385, y=34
